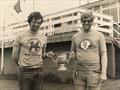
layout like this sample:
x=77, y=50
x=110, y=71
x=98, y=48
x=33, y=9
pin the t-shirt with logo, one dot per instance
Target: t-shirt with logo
x=88, y=47
x=31, y=45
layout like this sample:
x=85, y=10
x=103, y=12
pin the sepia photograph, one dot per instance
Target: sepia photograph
x=59, y=44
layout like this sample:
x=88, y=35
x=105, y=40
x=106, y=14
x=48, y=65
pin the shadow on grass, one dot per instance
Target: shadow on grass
x=58, y=86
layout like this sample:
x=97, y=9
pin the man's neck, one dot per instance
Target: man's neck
x=86, y=31
x=33, y=32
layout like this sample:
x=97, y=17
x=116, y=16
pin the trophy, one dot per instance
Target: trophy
x=60, y=59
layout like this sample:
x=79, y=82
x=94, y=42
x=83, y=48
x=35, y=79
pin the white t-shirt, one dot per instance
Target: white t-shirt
x=88, y=48
x=31, y=45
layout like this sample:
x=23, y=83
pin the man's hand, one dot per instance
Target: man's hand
x=103, y=77
x=50, y=55
x=72, y=55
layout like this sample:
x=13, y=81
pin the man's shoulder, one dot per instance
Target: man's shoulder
x=77, y=34
x=41, y=35
x=97, y=32
x=22, y=34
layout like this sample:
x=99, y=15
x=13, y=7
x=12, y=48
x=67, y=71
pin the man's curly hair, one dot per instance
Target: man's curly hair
x=36, y=15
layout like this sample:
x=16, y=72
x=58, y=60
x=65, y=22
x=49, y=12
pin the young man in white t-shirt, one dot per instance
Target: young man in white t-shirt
x=89, y=49
x=29, y=49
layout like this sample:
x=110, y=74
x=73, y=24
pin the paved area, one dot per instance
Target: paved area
x=13, y=85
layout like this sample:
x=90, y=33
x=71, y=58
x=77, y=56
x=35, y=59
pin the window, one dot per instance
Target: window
x=25, y=25
x=75, y=21
x=112, y=12
x=41, y=28
x=69, y=22
x=98, y=18
x=67, y=15
x=46, y=27
x=105, y=26
x=56, y=18
x=75, y=13
x=57, y=25
x=96, y=8
x=106, y=34
x=107, y=20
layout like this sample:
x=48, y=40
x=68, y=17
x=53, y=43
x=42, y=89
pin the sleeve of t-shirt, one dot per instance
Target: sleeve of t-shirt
x=102, y=43
x=17, y=41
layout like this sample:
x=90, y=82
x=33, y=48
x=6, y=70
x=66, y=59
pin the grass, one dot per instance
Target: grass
x=13, y=85
x=58, y=86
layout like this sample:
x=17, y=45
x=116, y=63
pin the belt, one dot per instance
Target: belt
x=31, y=69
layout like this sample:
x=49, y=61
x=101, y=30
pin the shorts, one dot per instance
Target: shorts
x=87, y=78
x=30, y=78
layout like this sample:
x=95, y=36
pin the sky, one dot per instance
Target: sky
x=8, y=14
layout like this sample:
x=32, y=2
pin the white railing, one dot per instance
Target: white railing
x=116, y=30
x=100, y=20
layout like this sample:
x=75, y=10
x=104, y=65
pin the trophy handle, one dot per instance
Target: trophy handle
x=54, y=61
x=52, y=56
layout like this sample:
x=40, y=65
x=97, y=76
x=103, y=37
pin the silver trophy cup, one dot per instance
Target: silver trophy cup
x=61, y=62
x=60, y=59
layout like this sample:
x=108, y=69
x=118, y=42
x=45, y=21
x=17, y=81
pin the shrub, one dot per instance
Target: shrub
x=50, y=77
x=69, y=80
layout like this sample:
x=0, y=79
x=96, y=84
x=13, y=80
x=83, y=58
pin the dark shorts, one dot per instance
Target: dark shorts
x=30, y=78
x=88, y=78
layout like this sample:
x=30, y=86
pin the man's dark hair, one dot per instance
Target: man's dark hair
x=36, y=15
x=87, y=14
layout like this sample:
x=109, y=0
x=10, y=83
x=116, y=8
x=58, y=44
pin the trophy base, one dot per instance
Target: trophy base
x=62, y=67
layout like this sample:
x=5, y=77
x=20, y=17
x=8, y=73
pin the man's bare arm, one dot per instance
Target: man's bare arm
x=15, y=54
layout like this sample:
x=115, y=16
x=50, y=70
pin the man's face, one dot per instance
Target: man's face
x=35, y=24
x=87, y=22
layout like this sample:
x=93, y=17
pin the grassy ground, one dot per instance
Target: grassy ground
x=13, y=85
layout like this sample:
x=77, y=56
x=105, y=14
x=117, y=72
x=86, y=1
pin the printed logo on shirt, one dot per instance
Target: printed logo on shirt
x=86, y=44
x=34, y=46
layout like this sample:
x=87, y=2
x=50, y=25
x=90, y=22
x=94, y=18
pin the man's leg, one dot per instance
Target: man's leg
x=25, y=80
x=94, y=88
x=93, y=81
x=79, y=83
x=25, y=85
x=38, y=80
x=79, y=78
x=80, y=87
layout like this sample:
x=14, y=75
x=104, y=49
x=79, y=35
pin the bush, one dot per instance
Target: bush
x=69, y=80
x=50, y=77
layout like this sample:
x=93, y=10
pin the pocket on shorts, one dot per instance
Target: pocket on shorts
x=94, y=80
x=78, y=79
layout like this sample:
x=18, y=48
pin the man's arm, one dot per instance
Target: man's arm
x=103, y=54
x=44, y=51
x=16, y=49
x=72, y=54
x=49, y=54
x=104, y=63
x=15, y=54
